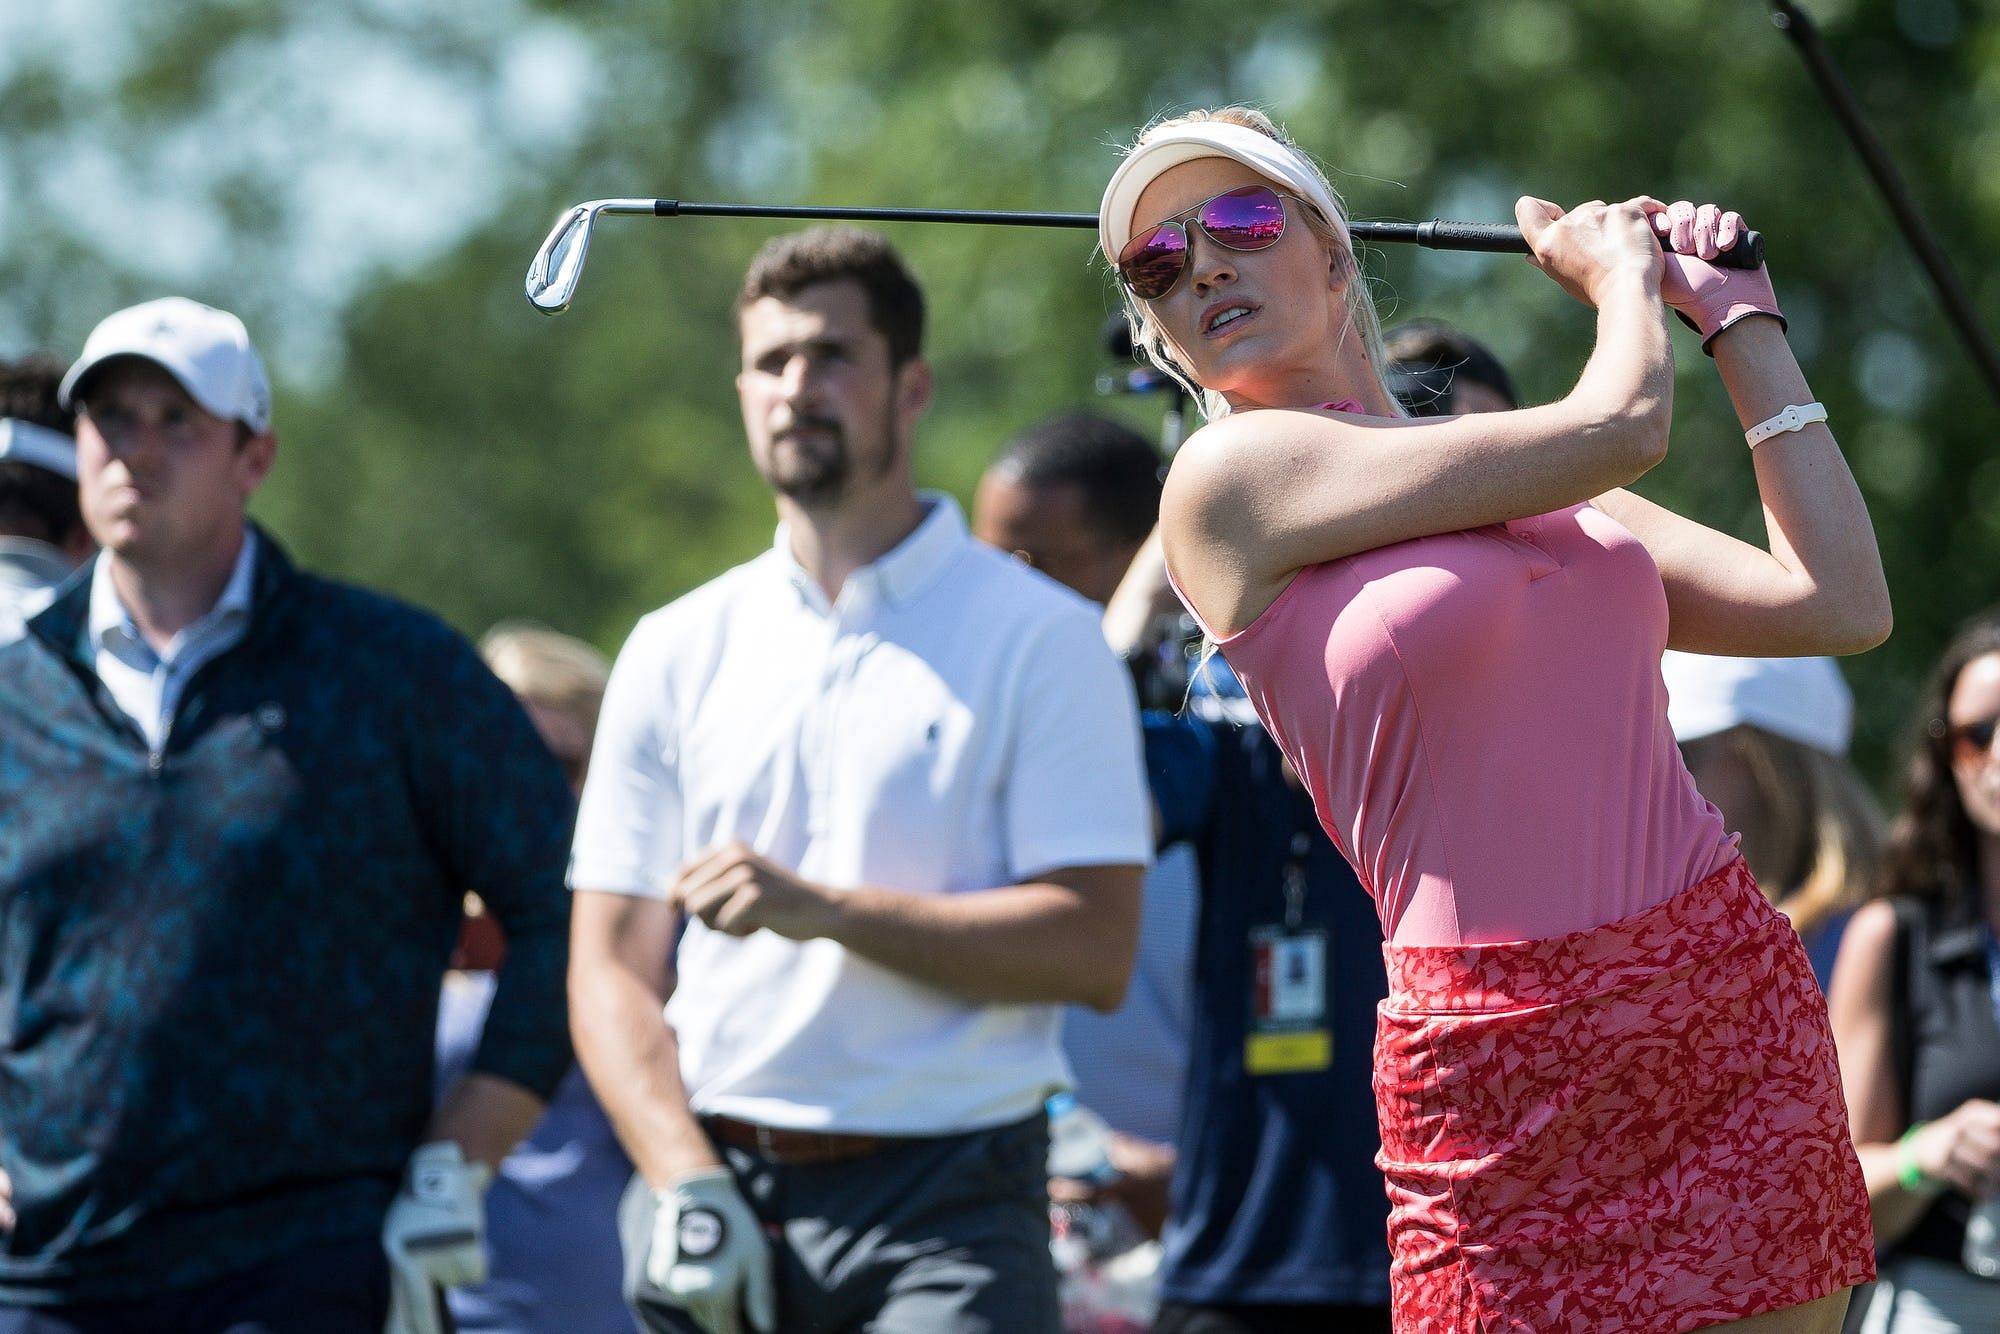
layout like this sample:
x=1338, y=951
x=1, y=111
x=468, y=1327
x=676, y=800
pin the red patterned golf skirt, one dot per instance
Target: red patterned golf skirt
x=1637, y=1127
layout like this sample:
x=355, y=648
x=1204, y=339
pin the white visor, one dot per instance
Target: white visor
x=25, y=442
x=1164, y=149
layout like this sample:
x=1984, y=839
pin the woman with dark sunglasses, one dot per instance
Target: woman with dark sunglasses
x=1606, y=1084
x=1916, y=1012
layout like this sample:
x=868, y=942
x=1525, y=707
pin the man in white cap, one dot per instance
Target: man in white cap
x=259, y=798
x=42, y=536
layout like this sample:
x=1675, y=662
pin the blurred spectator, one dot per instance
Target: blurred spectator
x=1766, y=740
x=42, y=534
x=1916, y=1011
x=258, y=798
x=893, y=782
x=1278, y=1216
x=1437, y=370
x=552, y=1211
x=1074, y=496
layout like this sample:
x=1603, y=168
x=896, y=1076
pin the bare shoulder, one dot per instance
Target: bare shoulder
x=1209, y=467
x=1863, y=967
x=1250, y=454
x=1252, y=476
x=1217, y=525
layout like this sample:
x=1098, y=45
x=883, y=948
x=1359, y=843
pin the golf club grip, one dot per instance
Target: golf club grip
x=1747, y=253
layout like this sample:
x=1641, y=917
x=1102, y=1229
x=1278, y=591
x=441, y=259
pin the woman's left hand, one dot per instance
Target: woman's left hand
x=1709, y=298
x=1701, y=230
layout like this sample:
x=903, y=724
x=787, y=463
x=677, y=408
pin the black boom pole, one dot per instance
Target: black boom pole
x=1958, y=307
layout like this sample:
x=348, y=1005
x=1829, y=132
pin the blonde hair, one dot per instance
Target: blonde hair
x=1149, y=337
x=1813, y=836
x=548, y=668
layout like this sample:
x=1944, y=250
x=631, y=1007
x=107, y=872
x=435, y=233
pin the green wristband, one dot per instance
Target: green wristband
x=1908, y=1175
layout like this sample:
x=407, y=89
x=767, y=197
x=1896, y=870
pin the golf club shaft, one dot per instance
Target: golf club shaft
x=1499, y=237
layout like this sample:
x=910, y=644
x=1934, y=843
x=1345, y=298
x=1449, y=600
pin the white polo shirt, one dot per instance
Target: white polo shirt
x=954, y=722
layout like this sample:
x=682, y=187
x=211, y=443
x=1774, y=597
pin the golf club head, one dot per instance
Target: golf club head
x=553, y=275
x=558, y=265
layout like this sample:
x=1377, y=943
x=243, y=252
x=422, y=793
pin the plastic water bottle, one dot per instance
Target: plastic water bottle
x=1079, y=1141
x=1982, y=1238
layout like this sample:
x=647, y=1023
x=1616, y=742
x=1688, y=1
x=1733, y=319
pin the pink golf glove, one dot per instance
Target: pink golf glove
x=1709, y=299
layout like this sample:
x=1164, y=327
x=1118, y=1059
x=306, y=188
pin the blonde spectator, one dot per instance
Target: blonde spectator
x=551, y=1214
x=558, y=679
x=1766, y=740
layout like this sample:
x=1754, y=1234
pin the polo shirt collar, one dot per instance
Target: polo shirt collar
x=903, y=572
x=111, y=623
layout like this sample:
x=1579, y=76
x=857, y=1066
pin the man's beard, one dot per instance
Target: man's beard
x=815, y=471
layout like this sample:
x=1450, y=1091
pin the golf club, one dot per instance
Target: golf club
x=558, y=265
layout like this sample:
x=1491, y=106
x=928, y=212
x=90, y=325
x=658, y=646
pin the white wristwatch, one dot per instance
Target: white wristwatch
x=1793, y=418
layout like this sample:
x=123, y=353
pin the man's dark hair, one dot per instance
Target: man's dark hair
x=1112, y=464
x=789, y=264
x=1429, y=359
x=35, y=502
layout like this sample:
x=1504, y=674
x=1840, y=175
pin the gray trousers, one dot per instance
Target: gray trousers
x=945, y=1235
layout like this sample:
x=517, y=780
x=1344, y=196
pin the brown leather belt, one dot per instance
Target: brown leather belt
x=790, y=1146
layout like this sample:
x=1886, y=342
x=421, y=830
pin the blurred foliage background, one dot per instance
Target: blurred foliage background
x=365, y=181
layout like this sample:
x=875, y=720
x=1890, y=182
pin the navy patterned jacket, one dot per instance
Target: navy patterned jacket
x=220, y=964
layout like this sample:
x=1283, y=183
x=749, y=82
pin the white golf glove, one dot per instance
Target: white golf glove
x=434, y=1236
x=707, y=1256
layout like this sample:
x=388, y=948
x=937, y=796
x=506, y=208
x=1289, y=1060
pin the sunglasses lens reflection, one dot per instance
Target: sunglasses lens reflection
x=1972, y=741
x=1249, y=218
x=1152, y=264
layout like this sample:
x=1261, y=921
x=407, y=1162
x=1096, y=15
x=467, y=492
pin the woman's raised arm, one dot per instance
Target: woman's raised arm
x=1259, y=495
x=1819, y=586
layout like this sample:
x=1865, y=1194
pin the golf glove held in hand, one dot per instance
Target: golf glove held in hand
x=434, y=1236
x=705, y=1254
x=1710, y=299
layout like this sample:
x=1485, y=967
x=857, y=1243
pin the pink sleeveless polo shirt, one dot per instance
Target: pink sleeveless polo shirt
x=1480, y=719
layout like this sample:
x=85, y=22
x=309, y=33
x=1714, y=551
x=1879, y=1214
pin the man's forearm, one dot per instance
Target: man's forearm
x=487, y=1115
x=633, y=1063
x=1142, y=597
x=1035, y=943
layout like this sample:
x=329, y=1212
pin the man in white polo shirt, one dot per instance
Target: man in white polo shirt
x=891, y=782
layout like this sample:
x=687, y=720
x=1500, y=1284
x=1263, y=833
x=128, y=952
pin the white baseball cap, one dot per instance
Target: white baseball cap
x=1801, y=699
x=25, y=442
x=207, y=350
x=1167, y=148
